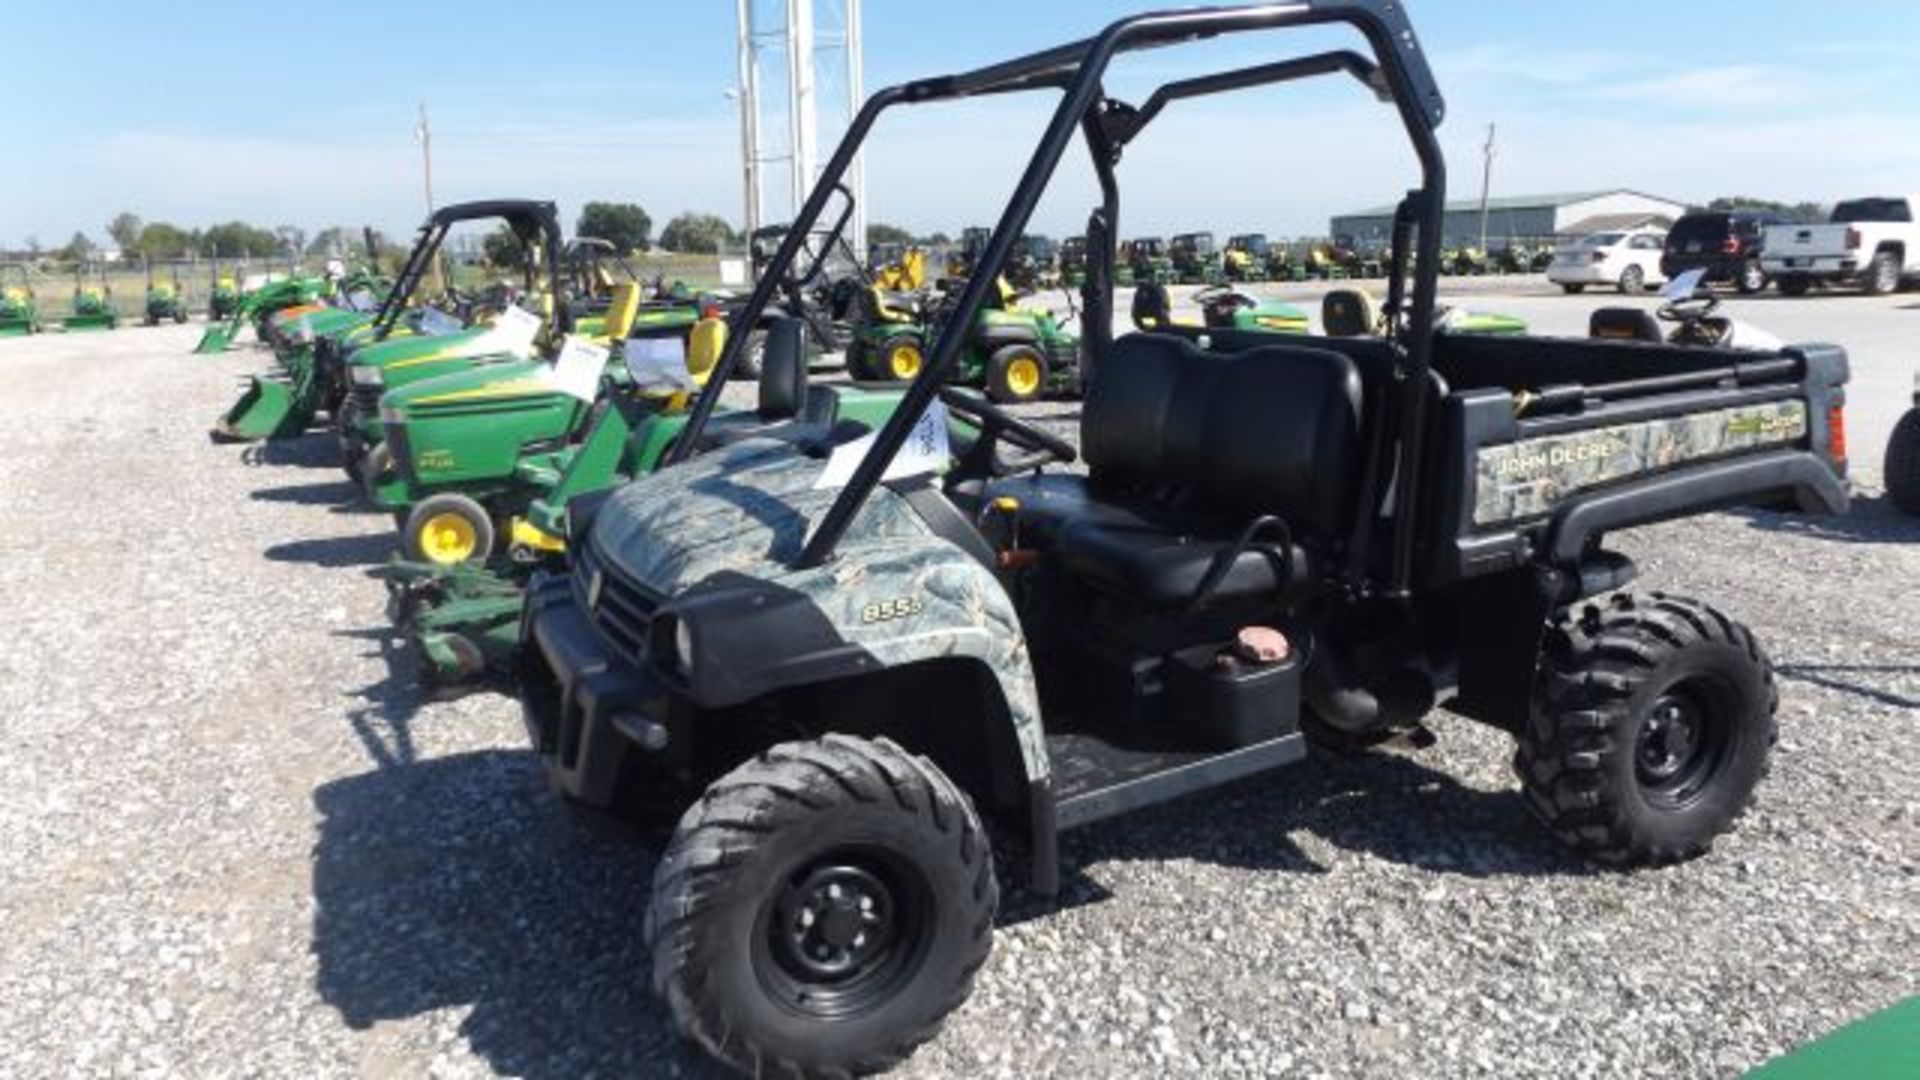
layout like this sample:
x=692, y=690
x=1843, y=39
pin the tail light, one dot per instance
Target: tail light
x=1731, y=247
x=1837, y=433
x=1853, y=239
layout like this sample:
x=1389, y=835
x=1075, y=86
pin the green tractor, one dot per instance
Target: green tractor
x=1245, y=257
x=166, y=297
x=19, y=308
x=460, y=608
x=223, y=294
x=1035, y=264
x=92, y=300
x=1196, y=259
x=1018, y=353
x=973, y=240
x=257, y=303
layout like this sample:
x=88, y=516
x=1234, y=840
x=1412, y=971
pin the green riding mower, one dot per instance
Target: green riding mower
x=1245, y=257
x=166, y=297
x=19, y=307
x=1222, y=307
x=1465, y=261
x=1018, y=353
x=1196, y=259
x=342, y=374
x=92, y=300
x=457, y=593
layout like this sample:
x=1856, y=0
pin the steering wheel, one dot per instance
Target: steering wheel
x=997, y=425
x=1689, y=309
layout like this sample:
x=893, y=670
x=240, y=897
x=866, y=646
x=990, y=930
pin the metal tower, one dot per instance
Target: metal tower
x=788, y=45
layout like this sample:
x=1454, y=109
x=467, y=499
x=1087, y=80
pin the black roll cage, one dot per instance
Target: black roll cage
x=522, y=215
x=1398, y=73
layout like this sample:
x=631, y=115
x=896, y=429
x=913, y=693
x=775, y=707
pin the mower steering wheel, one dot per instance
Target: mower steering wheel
x=1689, y=309
x=997, y=425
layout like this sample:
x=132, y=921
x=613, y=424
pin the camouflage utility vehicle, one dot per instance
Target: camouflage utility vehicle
x=839, y=673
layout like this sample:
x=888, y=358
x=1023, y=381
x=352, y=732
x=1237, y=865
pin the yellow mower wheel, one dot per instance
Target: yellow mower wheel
x=1016, y=374
x=898, y=359
x=447, y=530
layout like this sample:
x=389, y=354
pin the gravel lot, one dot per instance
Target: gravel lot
x=239, y=843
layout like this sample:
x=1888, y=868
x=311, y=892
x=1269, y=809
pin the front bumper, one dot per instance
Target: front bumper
x=587, y=708
x=1583, y=274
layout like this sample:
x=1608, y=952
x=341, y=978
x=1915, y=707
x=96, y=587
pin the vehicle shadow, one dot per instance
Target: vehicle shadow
x=340, y=496
x=313, y=450
x=460, y=883
x=335, y=551
x=1871, y=520
x=1382, y=803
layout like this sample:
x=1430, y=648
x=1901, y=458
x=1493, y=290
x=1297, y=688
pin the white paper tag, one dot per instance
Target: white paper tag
x=925, y=451
x=733, y=272
x=361, y=300
x=576, y=371
x=254, y=282
x=437, y=323
x=658, y=364
x=513, y=331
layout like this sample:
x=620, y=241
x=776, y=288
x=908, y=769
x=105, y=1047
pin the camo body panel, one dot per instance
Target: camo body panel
x=1529, y=478
x=749, y=507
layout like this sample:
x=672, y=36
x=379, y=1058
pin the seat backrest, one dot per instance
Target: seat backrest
x=783, y=370
x=1625, y=324
x=623, y=303
x=705, y=342
x=1349, y=313
x=1152, y=307
x=1272, y=430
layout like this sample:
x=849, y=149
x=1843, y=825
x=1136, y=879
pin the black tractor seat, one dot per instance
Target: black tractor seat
x=1205, y=468
x=786, y=394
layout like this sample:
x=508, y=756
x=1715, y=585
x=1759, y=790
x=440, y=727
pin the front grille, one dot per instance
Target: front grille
x=619, y=608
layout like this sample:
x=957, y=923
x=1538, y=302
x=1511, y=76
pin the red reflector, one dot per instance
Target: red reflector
x=1732, y=246
x=1837, y=433
x=1853, y=239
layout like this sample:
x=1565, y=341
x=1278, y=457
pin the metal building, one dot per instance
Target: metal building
x=1526, y=219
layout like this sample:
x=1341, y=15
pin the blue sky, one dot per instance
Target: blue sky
x=305, y=116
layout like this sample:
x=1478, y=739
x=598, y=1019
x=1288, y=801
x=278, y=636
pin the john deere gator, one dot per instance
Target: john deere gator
x=1245, y=257
x=92, y=300
x=19, y=308
x=1195, y=259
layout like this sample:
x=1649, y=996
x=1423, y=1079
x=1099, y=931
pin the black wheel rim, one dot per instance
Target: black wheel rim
x=1683, y=743
x=844, y=933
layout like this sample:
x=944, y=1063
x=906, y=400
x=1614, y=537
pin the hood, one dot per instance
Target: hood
x=749, y=508
x=491, y=383
x=417, y=349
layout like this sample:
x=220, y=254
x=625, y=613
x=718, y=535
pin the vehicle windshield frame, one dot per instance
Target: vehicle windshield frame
x=1397, y=72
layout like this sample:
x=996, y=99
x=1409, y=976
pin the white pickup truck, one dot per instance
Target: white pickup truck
x=1872, y=242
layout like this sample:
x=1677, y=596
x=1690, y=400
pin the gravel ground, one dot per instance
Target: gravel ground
x=240, y=844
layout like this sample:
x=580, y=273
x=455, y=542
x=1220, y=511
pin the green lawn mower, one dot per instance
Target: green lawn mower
x=1017, y=353
x=19, y=308
x=457, y=591
x=1245, y=257
x=402, y=343
x=92, y=300
x=166, y=297
x=1196, y=259
x=1222, y=307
